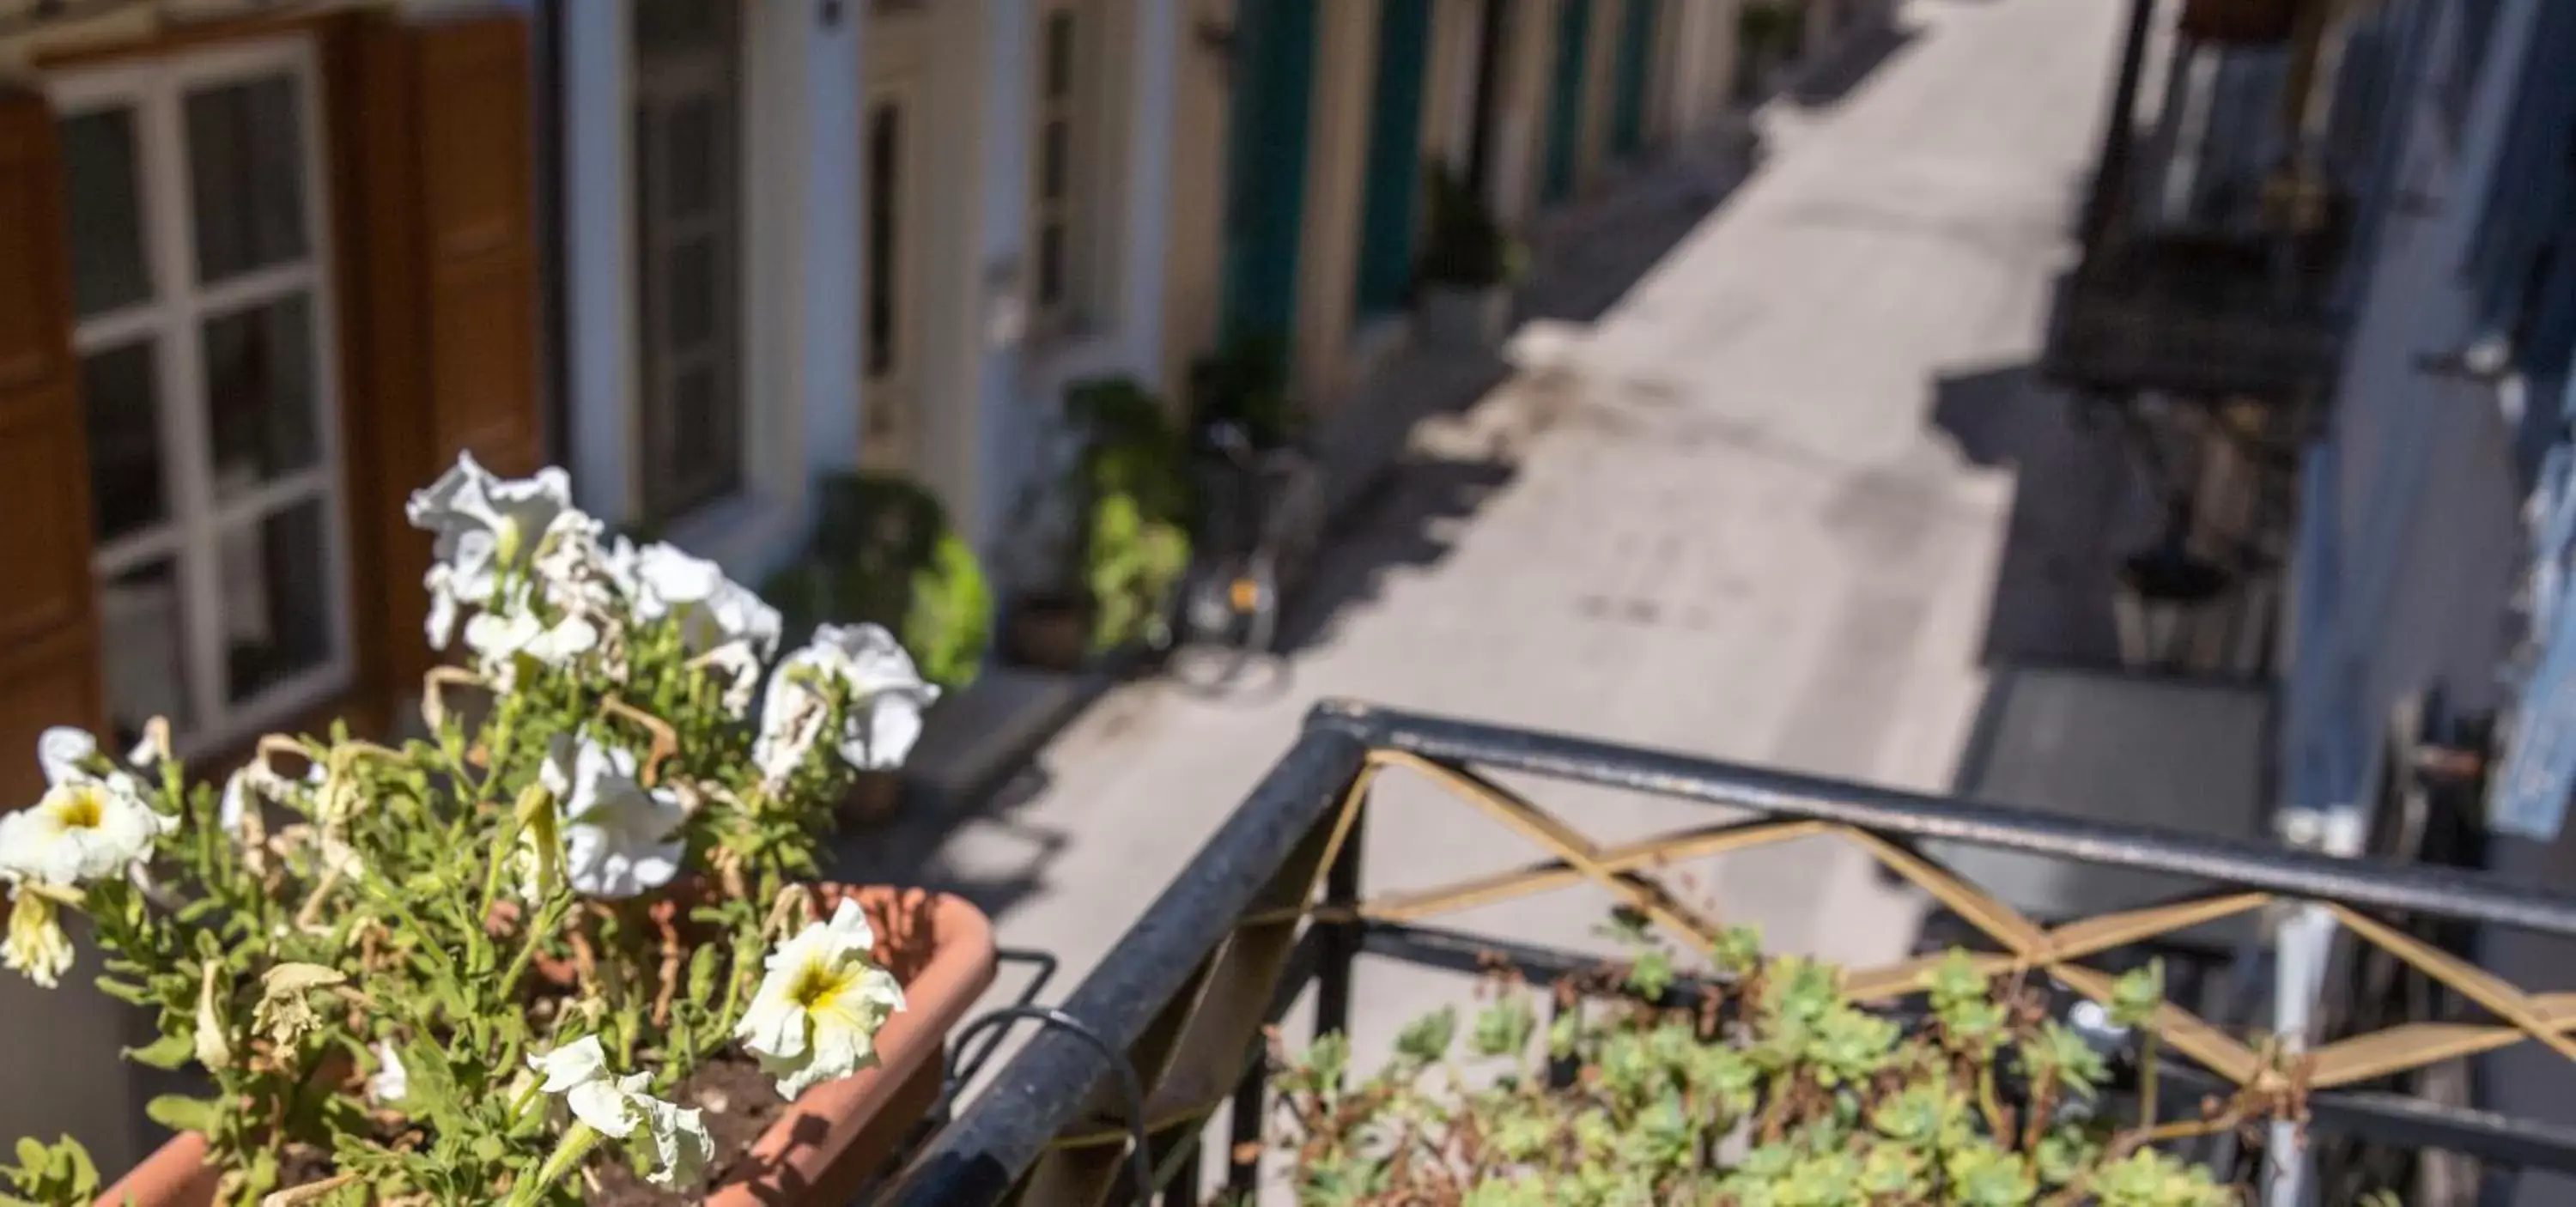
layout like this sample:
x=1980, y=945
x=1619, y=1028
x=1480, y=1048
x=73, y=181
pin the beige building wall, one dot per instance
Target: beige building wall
x=1600, y=93
x=1194, y=269
x=1449, y=95
x=1337, y=158
x=1522, y=126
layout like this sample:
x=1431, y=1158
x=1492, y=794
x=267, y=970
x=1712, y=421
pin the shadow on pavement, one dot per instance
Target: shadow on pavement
x=2078, y=505
x=908, y=848
x=1843, y=69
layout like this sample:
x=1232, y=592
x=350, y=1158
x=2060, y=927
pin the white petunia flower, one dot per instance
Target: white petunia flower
x=615, y=1107
x=740, y=668
x=484, y=524
x=886, y=696
x=36, y=944
x=84, y=829
x=61, y=750
x=440, y=625
x=619, y=837
x=391, y=1082
x=820, y=1005
x=712, y=610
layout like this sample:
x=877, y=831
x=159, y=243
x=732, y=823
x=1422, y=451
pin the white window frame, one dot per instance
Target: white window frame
x=1077, y=108
x=650, y=78
x=191, y=532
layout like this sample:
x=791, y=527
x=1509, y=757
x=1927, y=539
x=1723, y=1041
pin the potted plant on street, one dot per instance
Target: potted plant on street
x=1767, y=36
x=884, y=554
x=569, y=947
x=1125, y=546
x=1468, y=267
x=1770, y=1088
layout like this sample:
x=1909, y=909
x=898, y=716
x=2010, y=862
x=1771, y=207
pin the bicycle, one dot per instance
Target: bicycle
x=1262, y=523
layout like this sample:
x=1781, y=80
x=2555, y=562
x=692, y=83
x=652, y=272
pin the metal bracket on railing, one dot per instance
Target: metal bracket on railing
x=1139, y=1164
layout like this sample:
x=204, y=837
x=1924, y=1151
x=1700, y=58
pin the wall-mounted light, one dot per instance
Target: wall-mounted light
x=2486, y=362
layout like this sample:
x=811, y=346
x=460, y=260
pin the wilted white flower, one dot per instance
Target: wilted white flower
x=84, y=829
x=391, y=1082
x=484, y=525
x=886, y=696
x=36, y=944
x=619, y=837
x=499, y=640
x=440, y=625
x=712, y=610
x=255, y=784
x=741, y=670
x=616, y=1106
x=820, y=1004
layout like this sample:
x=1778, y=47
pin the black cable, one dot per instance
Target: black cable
x=1138, y=1163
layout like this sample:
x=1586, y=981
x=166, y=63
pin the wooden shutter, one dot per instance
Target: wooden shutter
x=434, y=161
x=48, y=625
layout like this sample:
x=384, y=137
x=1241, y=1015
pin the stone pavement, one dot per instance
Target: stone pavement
x=1758, y=508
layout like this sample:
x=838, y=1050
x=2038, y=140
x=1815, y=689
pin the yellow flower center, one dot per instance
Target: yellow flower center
x=82, y=810
x=818, y=983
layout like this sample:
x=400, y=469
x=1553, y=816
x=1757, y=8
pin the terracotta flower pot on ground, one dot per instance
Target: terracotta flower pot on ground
x=1047, y=633
x=824, y=1146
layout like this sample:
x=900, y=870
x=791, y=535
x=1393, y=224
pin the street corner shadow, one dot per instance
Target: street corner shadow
x=1848, y=66
x=914, y=848
x=1590, y=263
x=2077, y=503
x=1410, y=521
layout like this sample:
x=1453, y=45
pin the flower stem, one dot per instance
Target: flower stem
x=567, y=1156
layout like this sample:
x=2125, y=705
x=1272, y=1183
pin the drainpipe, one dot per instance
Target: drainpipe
x=554, y=376
x=2110, y=181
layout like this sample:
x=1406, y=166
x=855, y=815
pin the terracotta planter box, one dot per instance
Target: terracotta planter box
x=827, y=1143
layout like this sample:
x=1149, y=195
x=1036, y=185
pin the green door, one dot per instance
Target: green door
x=1636, y=67
x=1394, y=156
x=1265, y=194
x=1565, y=99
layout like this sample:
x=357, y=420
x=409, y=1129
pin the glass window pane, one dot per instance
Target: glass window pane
x=246, y=176
x=692, y=286
x=121, y=391
x=259, y=394
x=1051, y=263
x=1059, y=55
x=106, y=212
x=141, y=622
x=695, y=157
x=276, y=598
x=1055, y=159
x=665, y=26
x=885, y=155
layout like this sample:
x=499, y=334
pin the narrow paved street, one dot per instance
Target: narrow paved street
x=1758, y=509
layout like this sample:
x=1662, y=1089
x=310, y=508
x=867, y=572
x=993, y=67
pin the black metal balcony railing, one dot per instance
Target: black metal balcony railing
x=1273, y=905
x=2191, y=316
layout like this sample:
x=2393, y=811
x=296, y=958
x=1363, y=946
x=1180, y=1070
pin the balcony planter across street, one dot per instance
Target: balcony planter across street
x=571, y=947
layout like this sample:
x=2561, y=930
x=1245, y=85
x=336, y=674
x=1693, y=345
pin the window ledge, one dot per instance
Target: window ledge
x=750, y=535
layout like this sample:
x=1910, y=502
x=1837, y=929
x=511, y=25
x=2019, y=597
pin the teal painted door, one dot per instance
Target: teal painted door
x=1394, y=188
x=1636, y=67
x=1565, y=99
x=1265, y=194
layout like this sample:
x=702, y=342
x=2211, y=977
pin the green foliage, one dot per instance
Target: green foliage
x=1246, y=383
x=884, y=554
x=1130, y=491
x=1463, y=246
x=50, y=1175
x=1836, y=1106
x=1772, y=26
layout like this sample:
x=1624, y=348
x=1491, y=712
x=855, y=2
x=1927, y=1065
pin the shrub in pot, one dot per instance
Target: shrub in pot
x=1774, y=1090
x=1467, y=270
x=550, y=954
x=1124, y=499
x=884, y=554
